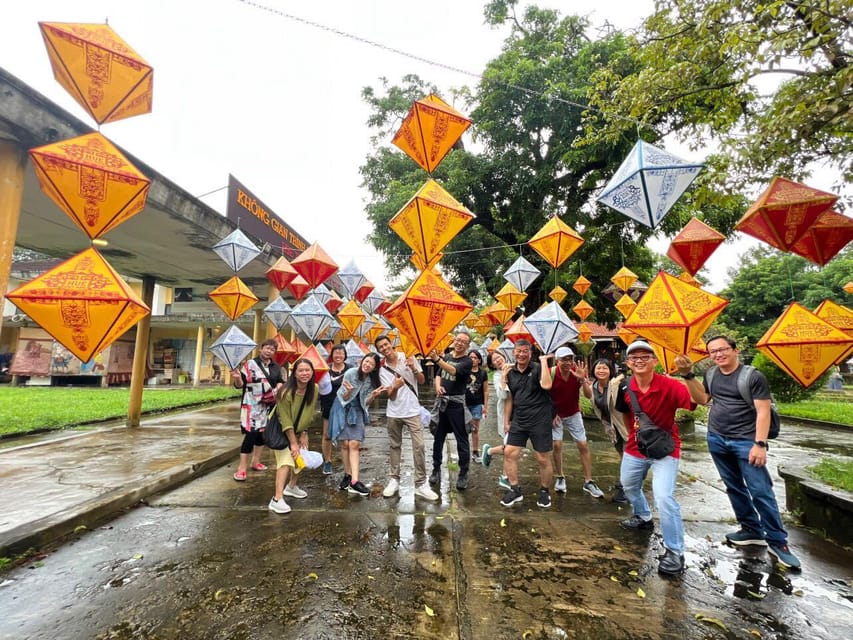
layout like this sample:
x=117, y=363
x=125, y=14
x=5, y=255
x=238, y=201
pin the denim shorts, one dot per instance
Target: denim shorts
x=476, y=411
x=573, y=424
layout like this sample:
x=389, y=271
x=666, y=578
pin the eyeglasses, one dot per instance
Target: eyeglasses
x=718, y=352
x=639, y=358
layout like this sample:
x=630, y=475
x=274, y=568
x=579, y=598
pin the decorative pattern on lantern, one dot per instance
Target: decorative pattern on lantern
x=429, y=221
x=521, y=273
x=506, y=349
x=582, y=309
x=584, y=332
x=517, y=331
x=233, y=297
x=354, y=353
x=322, y=293
x=281, y=273
x=581, y=285
x=364, y=290
x=648, y=182
x=803, y=345
x=352, y=278
x=673, y=313
x=496, y=313
x=350, y=316
x=471, y=320
x=666, y=358
x=509, y=296
x=334, y=302
x=839, y=317
x=100, y=70
x=556, y=242
x=429, y=131
x=427, y=311
x=284, y=351
x=624, y=279
x=277, y=312
x=314, y=265
x=558, y=294
x=91, y=181
x=232, y=347
x=236, y=250
x=686, y=277
x=298, y=287
x=313, y=355
x=625, y=305
x=551, y=327
x=83, y=303
x=374, y=301
x=784, y=212
x=693, y=245
x=825, y=238
x=310, y=317
x=626, y=335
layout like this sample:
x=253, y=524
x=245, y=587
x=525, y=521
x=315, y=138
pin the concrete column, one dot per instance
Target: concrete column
x=199, y=350
x=272, y=295
x=256, y=332
x=140, y=356
x=13, y=160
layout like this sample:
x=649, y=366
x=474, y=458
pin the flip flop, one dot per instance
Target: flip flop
x=259, y=467
x=240, y=476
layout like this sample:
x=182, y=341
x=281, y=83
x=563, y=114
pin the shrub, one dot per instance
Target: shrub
x=783, y=387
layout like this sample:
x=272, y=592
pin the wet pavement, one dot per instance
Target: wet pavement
x=208, y=560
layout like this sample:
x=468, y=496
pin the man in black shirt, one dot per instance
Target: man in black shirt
x=451, y=377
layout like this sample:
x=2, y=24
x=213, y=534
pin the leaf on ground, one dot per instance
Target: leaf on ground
x=79, y=528
x=219, y=593
x=312, y=575
x=527, y=634
x=633, y=573
x=755, y=632
x=138, y=556
x=532, y=530
x=641, y=593
x=429, y=611
x=616, y=547
x=701, y=617
x=371, y=578
x=614, y=578
x=798, y=592
x=439, y=517
x=503, y=522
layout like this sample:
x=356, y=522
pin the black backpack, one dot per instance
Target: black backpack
x=746, y=393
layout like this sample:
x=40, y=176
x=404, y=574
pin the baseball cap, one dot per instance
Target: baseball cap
x=639, y=345
x=564, y=352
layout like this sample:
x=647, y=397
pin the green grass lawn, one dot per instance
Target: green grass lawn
x=827, y=410
x=835, y=473
x=24, y=409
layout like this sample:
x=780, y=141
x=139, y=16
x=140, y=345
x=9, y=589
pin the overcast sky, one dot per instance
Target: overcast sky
x=241, y=89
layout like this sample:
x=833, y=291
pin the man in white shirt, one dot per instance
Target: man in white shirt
x=401, y=376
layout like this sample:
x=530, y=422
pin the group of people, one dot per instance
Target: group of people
x=535, y=403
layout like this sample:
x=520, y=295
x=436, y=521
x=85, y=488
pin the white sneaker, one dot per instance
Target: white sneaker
x=295, y=492
x=560, y=484
x=391, y=488
x=278, y=506
x=426, y=493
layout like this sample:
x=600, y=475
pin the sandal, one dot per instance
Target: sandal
x=240, y=476
x=259, y=467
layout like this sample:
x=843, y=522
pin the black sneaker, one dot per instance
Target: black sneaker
x=619, y=496
x=462, y=482
x=636, y=522
x=435, y=476
x=671, y=563
x=544, y=500
x=744, y=537
x=512, y=496
x=345, y=482
x=358, y=488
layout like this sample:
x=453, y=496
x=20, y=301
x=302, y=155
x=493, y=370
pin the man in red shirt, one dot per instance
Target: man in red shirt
x=565, y=394
x=658, y=397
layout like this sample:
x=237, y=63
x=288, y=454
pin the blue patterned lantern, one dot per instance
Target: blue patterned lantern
x=521, y=274
x=232, y=347
x=551, y=327
x=310, y=317
x=236, y=250
x=277, y=312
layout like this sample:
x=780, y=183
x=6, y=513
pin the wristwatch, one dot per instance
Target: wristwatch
x=761, y=443
x=689, y=376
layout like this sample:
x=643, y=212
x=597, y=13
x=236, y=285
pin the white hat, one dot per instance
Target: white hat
x=564, y=352
x=639, y=345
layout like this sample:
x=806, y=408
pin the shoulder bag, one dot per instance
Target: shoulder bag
x=274, y=436
x=652, y=441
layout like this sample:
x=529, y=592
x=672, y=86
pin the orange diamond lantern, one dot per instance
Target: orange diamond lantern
x=583, y=309
x=509, y=296
x=429, y=131
x=625, y=305
x=686, y=277
x=497, y=313
x=558, y=294
x=581, y=285
x=673, y=313
x=350, y=316
x=693, y=245
x=825, y=238
x=284, y=351
x=584, y=332
x=624, y=278
x=233, y=297
x=320, y=365
x=803, y=345
x=281, y=273
x=471, y=320
x=99, y=69
x=666, y=358
x=518, y=331
x=427, y=311
x=555, y=242
x=83, y=303
x=299, y=287
x=484, y=323
x=839, y=317
x=626, y=335
x=430, y=220
x=784, y=212
x=91, y=181
x=848, y=288
x=314, y=265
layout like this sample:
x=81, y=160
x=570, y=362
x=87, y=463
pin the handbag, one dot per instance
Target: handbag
x=652, y=441
x=274, y=436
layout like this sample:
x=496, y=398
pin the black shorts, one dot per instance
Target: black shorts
x=326, y=403
x=542, y=441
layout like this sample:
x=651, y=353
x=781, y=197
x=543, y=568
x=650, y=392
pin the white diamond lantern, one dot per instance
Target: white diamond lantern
x=354, y=353
x=232, y=347
x=551, y=327
x=311, y=317
x=352, y=277
x=278, y=311
x=332, y=329
x=506, y=349
x=236, y=250
x=521, y=274
x=372, y=301
x=648, y=182
x=365, y=327
x=322, y=293
x=322, y=350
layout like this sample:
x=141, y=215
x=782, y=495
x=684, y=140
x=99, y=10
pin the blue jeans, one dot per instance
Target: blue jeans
x=634, y=470
x=750, y=488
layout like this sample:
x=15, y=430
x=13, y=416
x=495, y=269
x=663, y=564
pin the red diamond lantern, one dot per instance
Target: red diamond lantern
x=281, y=273
x=825, y=238
x=314, y=265
x=693, y=245
x=299, y=287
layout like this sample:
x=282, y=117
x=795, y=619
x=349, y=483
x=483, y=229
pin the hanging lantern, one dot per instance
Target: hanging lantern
x=848, y=288
x=471, y=320
x=364, y=290
x=551, y=327
x=429, y=131
x=517, y=331
x=311, y=317
x=354, y=353
x=686, y=277
x=825, y=238
x=507, y=350
x=350, y=316
x=376, y=330
x=100, y=70
x=351, y=277
x=429, y=221
x=803, y=345
x=613, y=293
x=284, y=351
x=322, y=352
x=784, y=212
x=673, y=313
x=313, y=355
x=648, y=182
x=373, y=301
x=521, y=274
x=693, y=245
x=558, y=294
x=484, y=323
x=298, y=346
x=236, y=250
x=232, y=347
x=427, y=310
x=625, y=305
x=583, y=309
x=334, y=302
x=626, y=335
x=281, y=273
x=624, y=278
x=322, y=293
x=839, y=317
x=233, y=297
x=555, y=242
x=332, y=332
x=298, y=287
x=277, y=312
x=497, y=313
x=509, y=296
x=91, y=181
x=666, y=358
x=83, y=303
x=581, y=285
x=314, y=265
x=584, y=332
